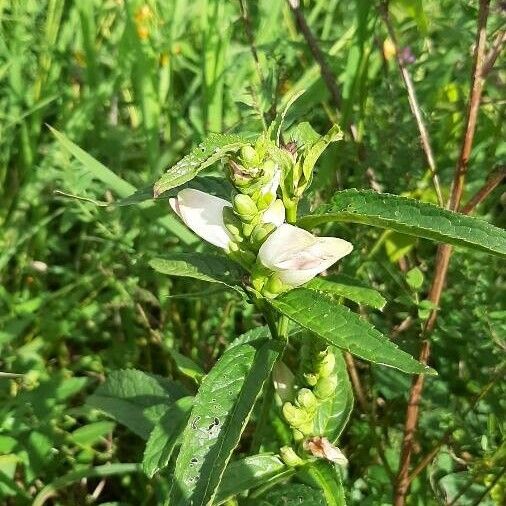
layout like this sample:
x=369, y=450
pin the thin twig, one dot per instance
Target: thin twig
x=494, y=482
x=326, y=72
x=413, y=103
x=494, y=52
x=355, y=381
x=492, y=182
x=443, y=257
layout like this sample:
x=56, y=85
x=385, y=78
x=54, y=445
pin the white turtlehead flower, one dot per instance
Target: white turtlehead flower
x=297, y=256
x=274, y=214
x=203, y=213
x=273, y=185
x=322, y=448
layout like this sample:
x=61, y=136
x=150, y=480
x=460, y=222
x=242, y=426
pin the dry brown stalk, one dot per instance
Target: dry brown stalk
x=443, y=255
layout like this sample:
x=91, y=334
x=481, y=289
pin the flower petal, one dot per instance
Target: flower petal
x=203, y=213
x=298, y=256
x=275, y=213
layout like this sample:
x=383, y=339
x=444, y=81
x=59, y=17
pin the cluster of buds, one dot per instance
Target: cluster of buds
x=252, y=229
x=319, y=382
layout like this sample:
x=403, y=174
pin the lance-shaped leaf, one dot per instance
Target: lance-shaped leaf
x=136, y=399
x=296, y=494
x=312, y=144
x=338, y=326
x=326, y=476
x=333, y=413
x=221, y=410
x=349, y=288
x=251, y=472
x=208, y=152
x=411, y=217
x=164, y=436
x=202, y=266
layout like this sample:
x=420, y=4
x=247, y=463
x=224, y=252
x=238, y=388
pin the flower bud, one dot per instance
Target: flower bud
x=260, y=233
x=307, y=400
x=325, y=387
x=289, y=457
x=311, y=378
x=245, y=207
x=274, y=286
x=327, y=364
x=232, y=223
x=296, y=417
x=239, y=175
x=249, y=156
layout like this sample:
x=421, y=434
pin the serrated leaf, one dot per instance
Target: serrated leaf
x=338, y=326
x=411, y=217
x=135, y=399
x=164, y=436
x=202, y=266
x=221, y=410
x=250, y=472
x=208, y=152
x=344, y=286
x=333, y=414
x=296, y=494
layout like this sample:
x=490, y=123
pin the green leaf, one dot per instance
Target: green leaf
x=135, y=399
x=92, y=432
x=338, y=326
x=99, y=170
x=120, y=186
x=344, y=286
x=333, y=414
x=409, y=216
x=251, y=472
x=187, y=366
x=208, y=152
x=414, y=278
x=165, y=435
x=202, y=266
x=221, y=410
x=325, y=476
x=296, y=494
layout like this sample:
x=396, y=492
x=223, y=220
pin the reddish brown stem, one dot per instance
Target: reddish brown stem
x=355, y=381
x=443, y=256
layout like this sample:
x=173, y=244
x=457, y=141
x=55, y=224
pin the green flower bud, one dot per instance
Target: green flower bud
x=264, y=201
x=260, y=232
x=296, y=417
x=289, y=457
x=274, y=285
x=233, y=247
x=325, y=387
x=298, y=436
x=239, y=176
x=327, y=364
x=249, y=156
x=311, y=378
x=307, y=400
x=245, y=207
x=247, y=229
x=232, y=223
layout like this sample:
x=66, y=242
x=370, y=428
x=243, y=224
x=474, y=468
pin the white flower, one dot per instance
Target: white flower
x=284, y=381
x=322, y=448
x=298, y=256
x=274, y=214
x=203, y=213
x=272, y=186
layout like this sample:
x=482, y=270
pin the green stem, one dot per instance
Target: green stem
x=291, y=211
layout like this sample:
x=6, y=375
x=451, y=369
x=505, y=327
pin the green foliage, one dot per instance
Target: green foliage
x=338, y=326
x=101, y=354
x=411, y=217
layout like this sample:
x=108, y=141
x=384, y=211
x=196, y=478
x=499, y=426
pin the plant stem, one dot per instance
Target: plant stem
x=443, y=257
x=291, y=211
